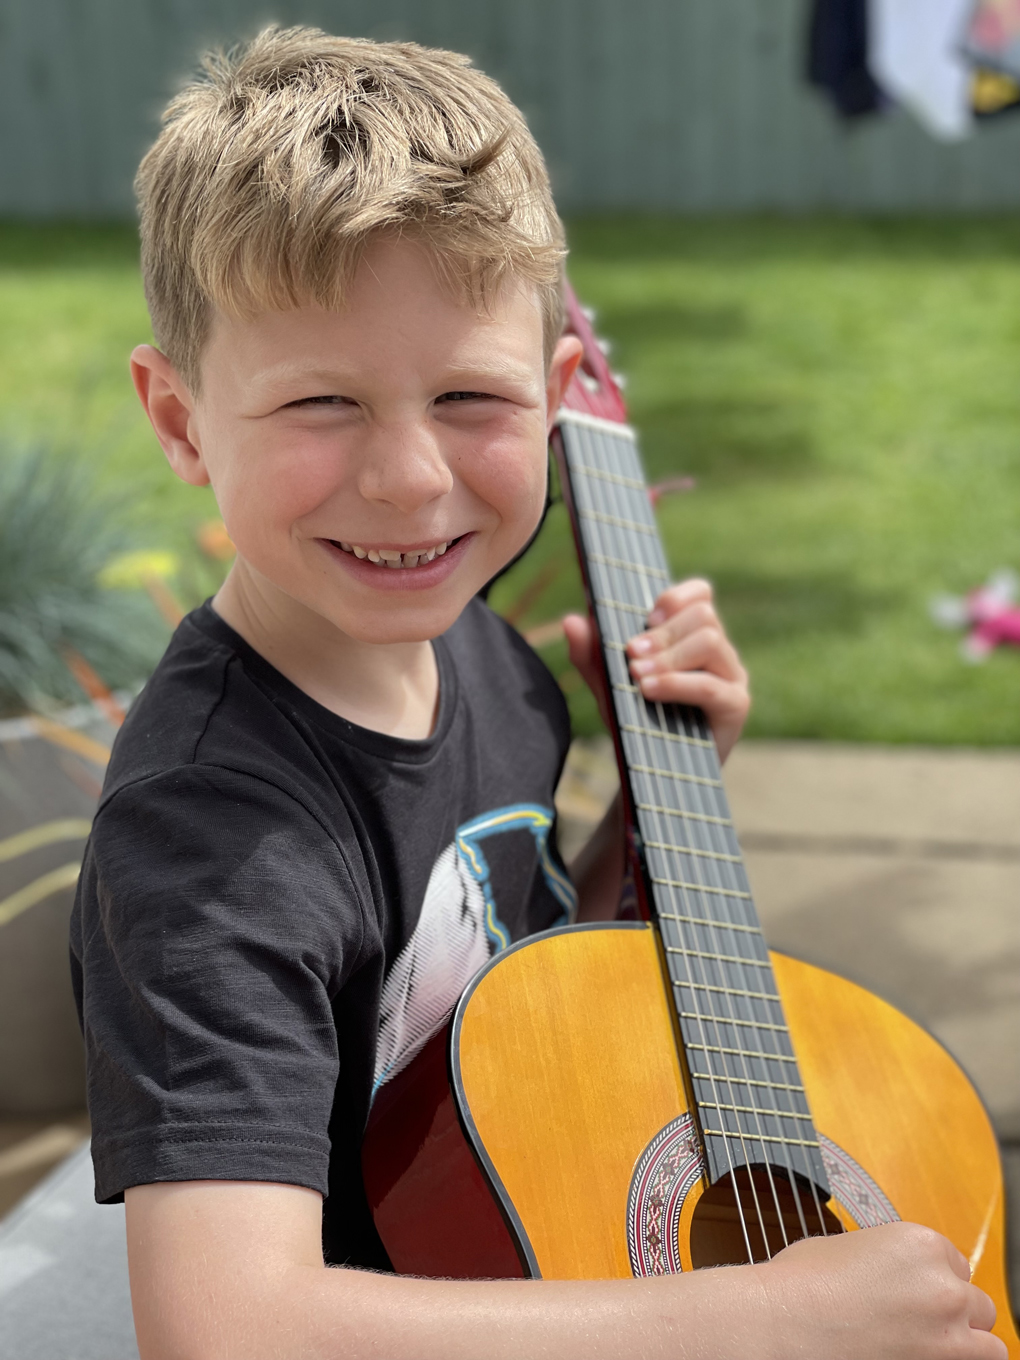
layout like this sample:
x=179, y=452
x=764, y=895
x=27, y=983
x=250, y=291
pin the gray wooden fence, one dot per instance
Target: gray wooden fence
x=679, y=105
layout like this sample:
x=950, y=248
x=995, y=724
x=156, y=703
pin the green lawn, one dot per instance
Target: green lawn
x=846, y=393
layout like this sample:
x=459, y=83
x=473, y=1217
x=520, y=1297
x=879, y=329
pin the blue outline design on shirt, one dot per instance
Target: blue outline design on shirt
x=532, y=817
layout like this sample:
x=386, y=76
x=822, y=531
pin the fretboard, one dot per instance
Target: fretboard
x=744, y=1078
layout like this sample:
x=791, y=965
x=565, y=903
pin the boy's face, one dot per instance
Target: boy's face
x=403, y=423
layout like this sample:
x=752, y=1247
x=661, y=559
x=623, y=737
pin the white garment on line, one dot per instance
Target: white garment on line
x=914, y=54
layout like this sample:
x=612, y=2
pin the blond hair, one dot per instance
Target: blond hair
x=285, y=156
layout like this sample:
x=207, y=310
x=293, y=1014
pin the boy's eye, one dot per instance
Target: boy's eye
x=463, y=396
x=319, y=401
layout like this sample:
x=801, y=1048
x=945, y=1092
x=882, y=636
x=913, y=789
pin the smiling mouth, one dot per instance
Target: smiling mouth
x=389, y=557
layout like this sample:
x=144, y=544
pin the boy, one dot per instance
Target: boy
x=353, y=267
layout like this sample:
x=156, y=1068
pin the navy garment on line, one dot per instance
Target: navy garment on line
x=838, y=56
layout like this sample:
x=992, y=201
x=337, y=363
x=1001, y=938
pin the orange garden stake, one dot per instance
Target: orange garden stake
x=97, y=690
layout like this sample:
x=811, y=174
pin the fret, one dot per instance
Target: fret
x=656, y=573
x=640, y=610
x=726, y=991
x=728, y=1019
x=681, y=812
x=748, y=1081
x=740, y=1053
x=760, y=1138
x=680, y=737
x=634, y=482
x=601, y=518
x=718, y=958
x=711, y=923
x=705, y=888
x=689, y=850
x=753, y=1109
x=676, y=774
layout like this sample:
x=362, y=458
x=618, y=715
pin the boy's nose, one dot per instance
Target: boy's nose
x=404, y=467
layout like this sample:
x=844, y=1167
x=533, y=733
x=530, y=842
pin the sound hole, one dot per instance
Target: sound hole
x=765, y=1206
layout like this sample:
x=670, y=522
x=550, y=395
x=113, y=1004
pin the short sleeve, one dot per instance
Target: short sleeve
x=215, y=923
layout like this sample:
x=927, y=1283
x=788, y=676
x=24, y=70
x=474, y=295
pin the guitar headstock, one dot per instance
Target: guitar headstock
x=593, y=388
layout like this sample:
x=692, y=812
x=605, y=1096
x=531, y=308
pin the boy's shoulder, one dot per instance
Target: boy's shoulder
x=203, y=704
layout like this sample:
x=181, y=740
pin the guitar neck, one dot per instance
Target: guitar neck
x=743, y=1073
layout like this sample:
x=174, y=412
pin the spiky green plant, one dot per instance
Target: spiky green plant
x=56, y=535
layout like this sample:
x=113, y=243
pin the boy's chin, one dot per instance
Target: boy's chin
x=398, y=626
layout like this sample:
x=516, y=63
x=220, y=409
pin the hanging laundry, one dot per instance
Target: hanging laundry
x=838, y=56
x=992, y=37
x=914, y=52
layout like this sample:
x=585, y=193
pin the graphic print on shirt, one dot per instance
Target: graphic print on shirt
x=459, y=928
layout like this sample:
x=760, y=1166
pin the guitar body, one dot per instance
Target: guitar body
x=539, y=1108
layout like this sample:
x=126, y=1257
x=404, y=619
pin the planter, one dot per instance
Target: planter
x=50, y=779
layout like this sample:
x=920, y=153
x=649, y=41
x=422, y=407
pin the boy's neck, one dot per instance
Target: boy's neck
x=391, y=688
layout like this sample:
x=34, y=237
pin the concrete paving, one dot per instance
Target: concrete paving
x=64, y=1291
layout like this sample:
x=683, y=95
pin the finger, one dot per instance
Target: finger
x=725, y=705
x=700, y=614
x=958, y=1263
x=993, y=1348
x=678, y=597
x=582, y=649
x=982, y=1312
x=708, y=649
x=580, y=638
x=723, y=701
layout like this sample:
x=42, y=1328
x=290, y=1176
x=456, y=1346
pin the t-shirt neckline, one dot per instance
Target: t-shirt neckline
x=407, y=750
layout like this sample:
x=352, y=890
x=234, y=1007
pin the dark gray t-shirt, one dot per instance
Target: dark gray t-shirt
x=277, y=908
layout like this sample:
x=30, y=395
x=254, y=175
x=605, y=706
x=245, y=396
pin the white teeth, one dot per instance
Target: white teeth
x=358, y=552
x=430, y=555
x=346, y=546
x=388, y=555
x=390, y=562
x=373, y=556
x=441, y=549
x=411, y=559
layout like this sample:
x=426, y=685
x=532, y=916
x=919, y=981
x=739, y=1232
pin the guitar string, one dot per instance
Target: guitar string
x=626, y=513
x=702, y=761
x=701, y=1018
x=742, y=1132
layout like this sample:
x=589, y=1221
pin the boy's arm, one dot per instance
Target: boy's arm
x=684, y=657
x=221, y=1270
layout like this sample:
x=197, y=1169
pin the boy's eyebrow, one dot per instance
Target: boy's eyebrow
x=336, y=379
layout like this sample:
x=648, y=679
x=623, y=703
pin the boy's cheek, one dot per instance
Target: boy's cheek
x=513, y=479
x=262, y=490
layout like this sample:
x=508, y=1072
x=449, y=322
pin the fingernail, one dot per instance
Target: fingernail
x=642, y=667
x=650, y=684
x=656, y=617
x=640, y=645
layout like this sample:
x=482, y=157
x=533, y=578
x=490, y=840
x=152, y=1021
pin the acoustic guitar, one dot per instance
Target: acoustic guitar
x=661, y=1094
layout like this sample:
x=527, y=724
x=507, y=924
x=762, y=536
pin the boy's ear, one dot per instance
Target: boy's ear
x=170, y=408
x=566, y=357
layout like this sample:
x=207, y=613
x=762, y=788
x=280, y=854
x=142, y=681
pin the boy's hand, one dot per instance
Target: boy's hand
x=684, y=657
x=899, y=1292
